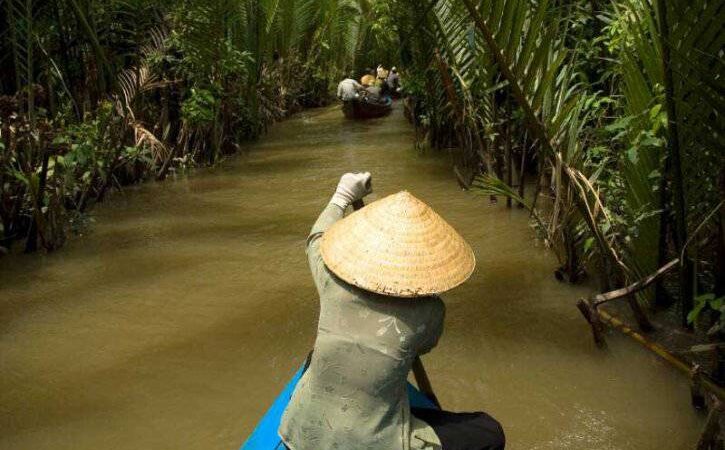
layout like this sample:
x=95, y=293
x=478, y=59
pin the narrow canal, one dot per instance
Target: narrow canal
x=177, y=320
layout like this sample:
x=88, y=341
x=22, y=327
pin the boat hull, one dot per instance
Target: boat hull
x=356, y=109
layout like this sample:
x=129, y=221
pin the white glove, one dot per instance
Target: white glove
x=352, y=187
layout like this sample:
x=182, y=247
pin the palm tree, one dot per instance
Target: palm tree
x=617, y=158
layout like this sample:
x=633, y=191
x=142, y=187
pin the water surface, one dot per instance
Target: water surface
x=175, y=323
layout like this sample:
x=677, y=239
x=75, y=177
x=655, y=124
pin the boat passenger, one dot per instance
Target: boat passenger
x=381, y=73
x=367, y=80
x=348, y=89
x=374, y=94
x=393, y=80
x=378, y=274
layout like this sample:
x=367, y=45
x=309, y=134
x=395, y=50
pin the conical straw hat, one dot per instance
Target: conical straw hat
x=397, y=246
x=367, y=80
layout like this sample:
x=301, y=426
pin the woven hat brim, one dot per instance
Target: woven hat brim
x=382, y=250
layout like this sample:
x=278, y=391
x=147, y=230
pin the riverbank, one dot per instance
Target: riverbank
x=176, y=322
x=49, y=184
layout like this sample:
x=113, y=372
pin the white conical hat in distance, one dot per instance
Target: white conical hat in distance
x=397, y=246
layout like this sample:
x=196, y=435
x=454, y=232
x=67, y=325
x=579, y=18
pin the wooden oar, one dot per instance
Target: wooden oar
x=419, y=373
x=421, y=379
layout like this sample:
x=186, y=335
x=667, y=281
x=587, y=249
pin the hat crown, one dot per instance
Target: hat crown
x=397, y=246
x=405, y=205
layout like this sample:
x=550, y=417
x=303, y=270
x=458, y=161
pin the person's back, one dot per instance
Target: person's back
x=380, y=72
x=378, y=272
x=374, y=94
x=348, y=89
x=355, y=387
x=393, y=79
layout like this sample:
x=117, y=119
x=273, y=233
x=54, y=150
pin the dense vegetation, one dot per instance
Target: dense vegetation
x=96, y=94
x=615, y=107
x=611, y=109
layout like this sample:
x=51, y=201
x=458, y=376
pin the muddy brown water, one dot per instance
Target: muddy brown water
x=178, y=319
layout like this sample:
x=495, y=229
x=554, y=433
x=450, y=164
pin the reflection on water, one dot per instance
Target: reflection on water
x=175, y=323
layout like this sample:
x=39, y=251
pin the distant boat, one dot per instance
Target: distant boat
x=360, y=109
x=265, y=436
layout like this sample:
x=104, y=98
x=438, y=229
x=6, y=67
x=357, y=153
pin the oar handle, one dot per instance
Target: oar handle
x=421, y=379
x=419, y=373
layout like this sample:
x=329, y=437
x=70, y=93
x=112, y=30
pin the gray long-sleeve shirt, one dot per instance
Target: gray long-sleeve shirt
x=353, y=395
x=347, y=89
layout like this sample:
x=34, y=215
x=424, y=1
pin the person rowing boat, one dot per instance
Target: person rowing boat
x=348, y=89
x=378, y=274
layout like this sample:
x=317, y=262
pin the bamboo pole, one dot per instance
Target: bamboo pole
x=709, y=431
x=660, y=351
x=589, y=307
x=597, y=316
x=635, y=287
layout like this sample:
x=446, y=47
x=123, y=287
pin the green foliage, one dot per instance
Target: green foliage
x=200, y=107
x=90, y=156
x=102, y=93
x=706, y=302
x=207, y=51
x=131, y=89
x=578, y=96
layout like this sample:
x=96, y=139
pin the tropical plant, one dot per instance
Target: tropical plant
x=607, y=119
x=101, y=93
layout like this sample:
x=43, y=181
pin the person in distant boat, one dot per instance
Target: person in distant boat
x=391, y=84
x=381, y=73
x=348, y=89
x=393, y=80
x=373, y=94
x=378, y=274
x=367, y=80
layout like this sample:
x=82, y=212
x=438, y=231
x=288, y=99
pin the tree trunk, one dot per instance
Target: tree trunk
x=720, y=262
x=507, y=149
x=662, y=297
x=494, y=145
x=522, y=172
x=36, y=228
x=673, y=150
